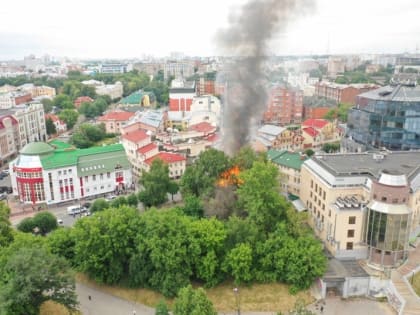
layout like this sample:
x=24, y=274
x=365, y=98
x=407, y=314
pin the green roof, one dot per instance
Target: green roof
x=113, y=154
x=59, y=144
x=37, y=148
x=288, y=159
x=136, y=98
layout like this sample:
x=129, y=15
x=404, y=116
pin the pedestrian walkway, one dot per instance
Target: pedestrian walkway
x=400, y=279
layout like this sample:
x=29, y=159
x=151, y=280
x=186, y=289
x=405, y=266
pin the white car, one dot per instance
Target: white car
x=59, y=221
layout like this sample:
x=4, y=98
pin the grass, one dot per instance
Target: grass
x=107, y=141
x=53, y=308
x=261, y=297
x=415, y=282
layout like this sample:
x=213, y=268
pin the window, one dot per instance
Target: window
x=108, y=175
x=350, y=233
x=93, y=177
x=349, y=245
x=86, y=179
x=352, y=220
x=101, y=176
x=383, y=199
x=395, y=200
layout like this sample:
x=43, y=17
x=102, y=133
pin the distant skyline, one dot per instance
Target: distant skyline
x=128, y=29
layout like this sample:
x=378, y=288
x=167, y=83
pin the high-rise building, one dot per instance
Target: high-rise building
x=285, y=106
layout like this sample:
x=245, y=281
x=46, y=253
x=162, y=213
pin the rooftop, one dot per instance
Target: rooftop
x=57, y=144
x=289, y=159
x=271, y=130
x=311, y=131
x=152, y=118
x=147, y=148
x=315, y=123
x=136, y=97
x=166, y=157
x=368, y=163
x=135, y=136
x=117, y=116
x=70, y=156
x=36, y=148
x=204, y=127
x=399, y=93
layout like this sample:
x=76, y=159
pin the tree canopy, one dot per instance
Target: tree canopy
x=193, y=302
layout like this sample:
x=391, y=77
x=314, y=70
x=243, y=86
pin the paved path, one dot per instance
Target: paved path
x=399, y=278
x=102, y=303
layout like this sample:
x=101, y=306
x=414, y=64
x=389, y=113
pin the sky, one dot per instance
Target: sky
x=132, y=29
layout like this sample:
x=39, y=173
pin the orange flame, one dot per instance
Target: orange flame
x=230, y=177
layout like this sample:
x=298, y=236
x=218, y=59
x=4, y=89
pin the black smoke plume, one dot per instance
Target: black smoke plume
x=247, y=40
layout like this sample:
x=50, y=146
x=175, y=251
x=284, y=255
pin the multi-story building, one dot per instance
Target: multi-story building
x=176, y=163
x=31, y=122
x=116, y=120
x=153, y=121
x=342, y=93
x=82, y=99
x=115, y=68
x=275, y=137
x=114, y=91
x=178, y=69
x=60, y=126
x=45, y=175
x=9, y=137
x=289, y=165
x=387, y=117
x=285, y=106
x=37, y=91
x=336, y=66
x=181, y=95
x=11, y=99
x=317, y=132
x=365, y=205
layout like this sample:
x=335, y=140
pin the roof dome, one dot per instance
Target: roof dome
x=37, y=148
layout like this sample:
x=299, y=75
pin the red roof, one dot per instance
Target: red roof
x=117, y=116
x=147, y=148
x=54, y=118
x=213, y=138
x=136, y=136
x=316, y=123
x=166, y=157
x=83, y=99
x=311, y=131
x=204, y=127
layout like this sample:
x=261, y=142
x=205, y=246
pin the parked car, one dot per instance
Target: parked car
x=110, y=198
x=6, y=189
x=59, y=221
x=5, y=172
x=3, y=196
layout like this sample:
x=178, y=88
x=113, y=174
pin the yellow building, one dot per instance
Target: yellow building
x=364, y=206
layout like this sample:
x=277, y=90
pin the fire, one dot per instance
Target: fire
x=230, y=177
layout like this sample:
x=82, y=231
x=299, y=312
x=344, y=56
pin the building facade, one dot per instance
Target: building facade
x=364, y=206
x=115, y=121
x=9, y=137
x=285, y=106
x=387, y=117
x=181, y=95
x=342, y=93
x=45, y=175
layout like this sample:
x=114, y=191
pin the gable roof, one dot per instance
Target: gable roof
x=117, y=116
x=315, y=123
x=288, y=159
x=311, y=131
x=147, y=148
x=204, y=127
x=136, y=136
x=271, y=130
x=166, y=157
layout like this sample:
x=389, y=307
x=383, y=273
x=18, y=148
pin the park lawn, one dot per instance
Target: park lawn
x=107, y=141
x=53, y=308
x=258, y=297
x=416, y=283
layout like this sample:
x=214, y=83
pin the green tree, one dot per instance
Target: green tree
x=62, y=243
x=238, y=263
x=99, y=205
x=173, y=188
x=26, y=225
x=161, y=308
x=47, y=104
x=193, y=302
x=259, y=195
x=193, y=206
x=309, y=152
x=132, y=200
x=69, y=116
x=6, y=231
x=63, y=101
x=156, y=260
x=104, y=243
x=31, y=276
x=241, y=230
x=245, y=157
x=49, y=124
x=199, y=179
x=45, y=221
x=156, y=184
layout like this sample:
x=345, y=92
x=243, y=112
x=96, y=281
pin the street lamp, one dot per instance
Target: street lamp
x=236, y=291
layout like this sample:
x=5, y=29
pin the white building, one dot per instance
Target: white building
x=114, y=91
x=45, y=175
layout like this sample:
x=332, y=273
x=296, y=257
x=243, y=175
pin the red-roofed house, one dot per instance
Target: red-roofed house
x=82, y=99
x=204, y=127
x=60, y=126
x=317, y=132
x=139, y=147
x=176, y=163
x=116, y=120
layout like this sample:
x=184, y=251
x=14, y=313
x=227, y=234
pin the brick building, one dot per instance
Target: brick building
x=285, y=106
x=342, y=93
